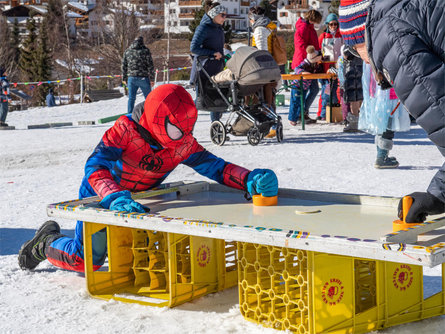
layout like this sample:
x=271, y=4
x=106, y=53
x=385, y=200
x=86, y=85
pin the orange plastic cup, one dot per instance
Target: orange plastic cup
x=260, y=200
x=398, y=224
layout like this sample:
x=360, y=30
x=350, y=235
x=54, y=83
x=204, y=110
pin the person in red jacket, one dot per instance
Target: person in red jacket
x=330, y=43
x=138, y=153
x=304, y=36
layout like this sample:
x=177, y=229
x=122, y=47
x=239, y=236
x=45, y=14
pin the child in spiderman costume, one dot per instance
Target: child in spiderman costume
x=137, y=154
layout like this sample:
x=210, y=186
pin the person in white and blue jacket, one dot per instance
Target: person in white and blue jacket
x=404, y=41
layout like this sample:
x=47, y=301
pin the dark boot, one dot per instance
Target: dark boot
x=34, y=251
x=307, y=119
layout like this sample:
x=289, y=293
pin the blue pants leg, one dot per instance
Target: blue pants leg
x=3, y=111
x=67, y=253
x=134, y=83
x=311, y=95
x=132, y=91
x=215, y=116
x=145, y=86
x=325, y=96
x=295, y=105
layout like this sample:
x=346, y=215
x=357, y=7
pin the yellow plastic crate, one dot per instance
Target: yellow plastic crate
x=158, y=268
x=309, y=292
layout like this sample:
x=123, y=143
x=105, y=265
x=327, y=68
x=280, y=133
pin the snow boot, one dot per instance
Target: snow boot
x=383, y=161
x=272, y=133
x=384, y=145
x=352, y=123
x=307, y=119
x=34, y=251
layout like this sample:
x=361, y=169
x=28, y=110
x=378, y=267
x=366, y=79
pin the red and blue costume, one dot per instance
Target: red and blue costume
x=137, y=154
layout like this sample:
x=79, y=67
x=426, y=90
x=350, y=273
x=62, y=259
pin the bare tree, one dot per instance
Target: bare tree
x=115, y=30
x=6, y=51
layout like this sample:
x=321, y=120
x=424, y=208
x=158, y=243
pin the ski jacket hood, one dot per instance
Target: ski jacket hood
x=137, y=44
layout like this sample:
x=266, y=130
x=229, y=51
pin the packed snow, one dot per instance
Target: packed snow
x=43, y=166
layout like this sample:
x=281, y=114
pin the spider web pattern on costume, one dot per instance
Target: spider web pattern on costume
x=135, y=176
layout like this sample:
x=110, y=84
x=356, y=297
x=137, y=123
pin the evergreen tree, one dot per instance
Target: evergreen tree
x=55, y=18
x=333, y=7
x=15, y=42
x=44, y=60
x=195, y=22
x=6, y=53
x=227, y=32
x=28, y=54
x=268, y=9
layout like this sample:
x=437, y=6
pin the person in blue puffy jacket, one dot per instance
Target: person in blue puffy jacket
x=136, y=154
x=405, y=45
x=208, y=40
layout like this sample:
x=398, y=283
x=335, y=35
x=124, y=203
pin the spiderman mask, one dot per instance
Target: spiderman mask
x=169, y=115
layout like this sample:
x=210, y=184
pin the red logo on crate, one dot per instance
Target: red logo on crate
x=333, y=291
x=203, y=255
x=403, y=277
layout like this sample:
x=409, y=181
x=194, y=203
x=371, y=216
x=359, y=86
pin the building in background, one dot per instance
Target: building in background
x=179, y=14
x=172, y=16
x=289, y=11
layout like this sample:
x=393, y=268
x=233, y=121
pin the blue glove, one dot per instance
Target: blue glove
x=122, y=201
x=262, y=181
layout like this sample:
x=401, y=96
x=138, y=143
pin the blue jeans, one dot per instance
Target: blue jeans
x=134, y=83
x=3, y=111
x=215, y=116
x=295, y=104
x=325, y=96
x=311, y=95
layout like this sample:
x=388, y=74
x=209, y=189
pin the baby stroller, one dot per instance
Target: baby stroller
x=250, y=69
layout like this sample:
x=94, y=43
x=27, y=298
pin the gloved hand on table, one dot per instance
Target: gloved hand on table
x=122, y=201
x=423, y=204
x=262, y=181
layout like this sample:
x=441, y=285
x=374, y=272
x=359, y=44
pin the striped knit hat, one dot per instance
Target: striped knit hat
x=352, y=20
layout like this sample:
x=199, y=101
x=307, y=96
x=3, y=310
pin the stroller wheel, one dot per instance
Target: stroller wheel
x=218, y=133
x=279, y=130
x=254, y=136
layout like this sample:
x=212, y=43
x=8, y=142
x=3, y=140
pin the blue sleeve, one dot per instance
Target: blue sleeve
x=103, y=157
x=207, y=164
x=196, y=44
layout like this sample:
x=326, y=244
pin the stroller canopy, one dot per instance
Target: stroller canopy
x=251, y=66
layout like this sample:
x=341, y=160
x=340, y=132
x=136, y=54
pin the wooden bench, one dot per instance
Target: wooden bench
x=102, y=94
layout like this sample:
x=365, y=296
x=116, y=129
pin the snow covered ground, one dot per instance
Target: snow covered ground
x=43, y=166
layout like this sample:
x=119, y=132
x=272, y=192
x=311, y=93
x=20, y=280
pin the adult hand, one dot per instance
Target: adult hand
x=262, y=181
x=362, y=51
x=423, y=204
x=122, y=201
x=217, y=55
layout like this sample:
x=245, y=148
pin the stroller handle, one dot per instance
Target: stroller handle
x=201, y=58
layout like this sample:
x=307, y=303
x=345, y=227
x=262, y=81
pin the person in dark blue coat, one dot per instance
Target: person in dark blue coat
x=405, y=45
x=208, y=40
x=50, y=100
